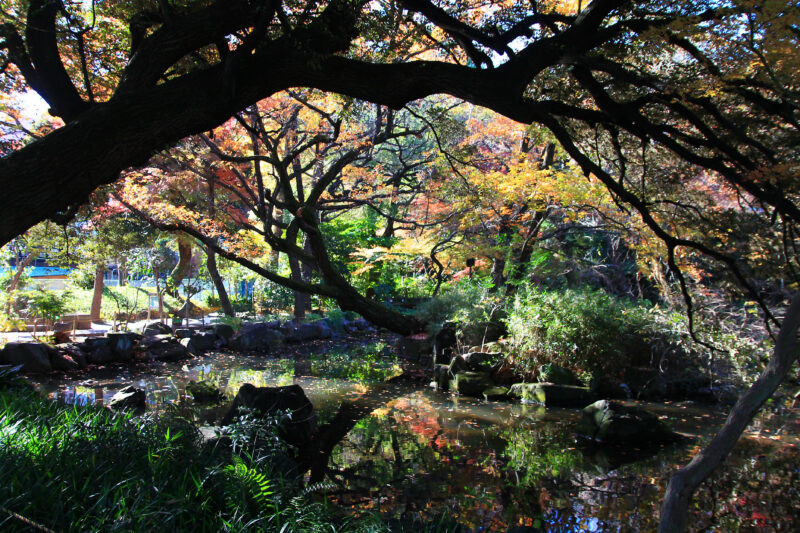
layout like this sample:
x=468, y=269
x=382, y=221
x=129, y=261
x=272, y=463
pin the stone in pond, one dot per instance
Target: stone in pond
x=128, y=398
x=613, y=423
x=155, y=328
x=200, y=342
x=441, y=376
x=299, y=421
x=33, y=356
x=256, y=336
x=164, y=348
x=471, y=383
x=559, y=375
x=552, y=395
x=496, y=393
x=224, y=331
x=122, y=344
x=203, y=391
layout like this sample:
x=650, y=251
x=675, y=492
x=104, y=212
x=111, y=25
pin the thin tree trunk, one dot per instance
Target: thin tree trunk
x=97, y=296
x=686, y=480
x=14, y=283
x=224, y=300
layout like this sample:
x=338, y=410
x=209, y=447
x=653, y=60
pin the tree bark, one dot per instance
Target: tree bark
x=224, y=300
x=686, y=480
x=97, y=295
x=181, y=270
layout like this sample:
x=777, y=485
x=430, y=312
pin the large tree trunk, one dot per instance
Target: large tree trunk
x=97, y=295
x=181, y=270
x=224, y=300
x=686, y=480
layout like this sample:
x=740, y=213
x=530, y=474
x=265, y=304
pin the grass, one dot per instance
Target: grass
x=67, y=468
x=137, y=298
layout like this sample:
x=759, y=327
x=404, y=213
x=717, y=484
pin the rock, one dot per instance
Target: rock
x=363, y=324
x=33, y=356
x=128, y=398
x=605, y=388
x=496, y=393
x=74, y=352
x=471, y=383
x=414, y=347
x=122, y=344
x=101, y=355
x=61, y=337
x=256, y=336
x=559, y=375
x=444, y=343
x=203, y=391
x=200, y=343
x=441, y=377
x=155, y=328
x=224, y=331
x=183, y=333
x=613, y=423
x=457, y=364
x=92, y=343
x=552, y=395
x=523, y=529
x=164, y=348
x=300, y=424
x=479, y=361
x=313, y=331
x=505, y=373
x=63, y=362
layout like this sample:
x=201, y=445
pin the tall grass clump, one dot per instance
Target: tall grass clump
x=588, y=330
x=68, y=468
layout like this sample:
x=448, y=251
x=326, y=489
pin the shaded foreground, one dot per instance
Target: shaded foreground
x=404, y=453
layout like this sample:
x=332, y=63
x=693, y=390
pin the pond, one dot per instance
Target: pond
x=417, y=456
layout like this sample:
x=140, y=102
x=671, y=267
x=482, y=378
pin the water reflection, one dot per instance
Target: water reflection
x=415, y=455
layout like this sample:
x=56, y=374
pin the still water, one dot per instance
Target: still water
x=416, y=456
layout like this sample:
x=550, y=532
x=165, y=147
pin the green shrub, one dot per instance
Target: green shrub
x=88, y=469
x=464, y=302
x=586, y=330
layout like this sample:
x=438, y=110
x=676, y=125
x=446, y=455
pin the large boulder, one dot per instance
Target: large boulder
x=100, y=354
x=299, y=421
x=442, y=376
x=552, y=395
x=444, y=343
x=63, y=362
x=200, y=343
x=164, y=348
x=224, y=331
x=312, y=331
x=551, y=373
x=480, y=361
x=122, y=344
x=471, y=383
x=613, y=423
x=155, y=328
x=256, y=336
x=128, y=398
x=496, y=393
x=74, y=352
x=32, y=356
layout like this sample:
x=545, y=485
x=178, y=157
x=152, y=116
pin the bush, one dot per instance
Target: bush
x=464, y=302
x=88, y=469
x=587, y=330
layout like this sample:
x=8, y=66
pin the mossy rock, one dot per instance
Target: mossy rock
x=613, y=423
x=552, y=395
x=496, y=393
x=471, y=383
x=203, y=391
